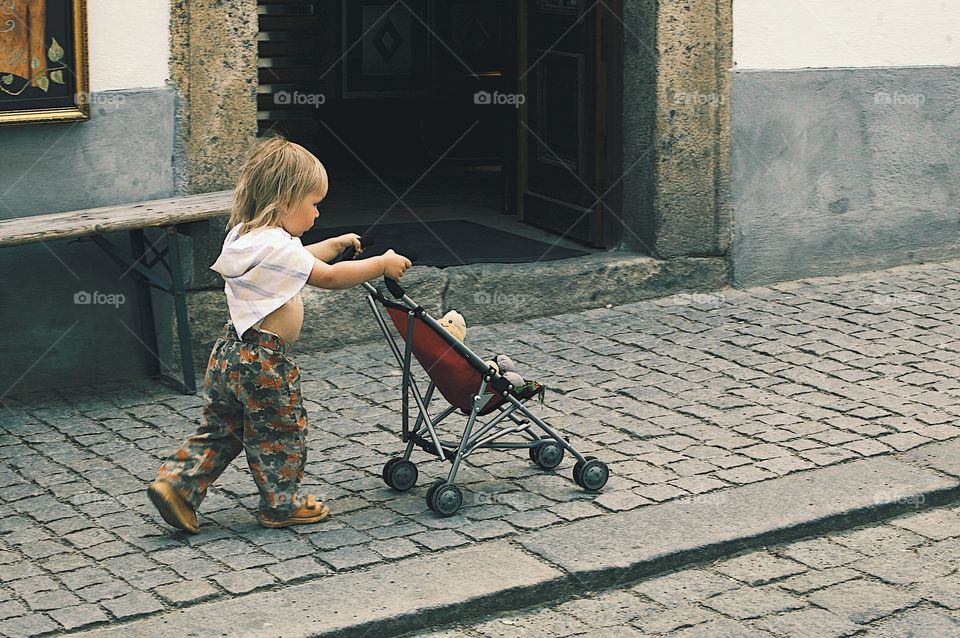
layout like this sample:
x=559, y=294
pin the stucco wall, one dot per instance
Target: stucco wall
x=122, y=154
x=849, y=166
x=129, y=43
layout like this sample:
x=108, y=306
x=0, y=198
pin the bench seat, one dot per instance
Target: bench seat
x=108, y=219
x=169, y=215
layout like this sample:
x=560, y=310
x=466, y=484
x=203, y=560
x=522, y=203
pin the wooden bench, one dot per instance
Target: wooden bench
x=170, y=215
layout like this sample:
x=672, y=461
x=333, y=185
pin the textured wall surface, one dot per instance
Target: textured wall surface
x=843, y=170
x=213, y=64
x=676, y=127
x=122, y=154
x=129, y=43
x=787, y=34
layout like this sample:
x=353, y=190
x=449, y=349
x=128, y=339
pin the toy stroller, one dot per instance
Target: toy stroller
x=476, y=389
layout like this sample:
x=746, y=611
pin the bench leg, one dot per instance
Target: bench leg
x=180, y=306
x=138, y=266
x=148, y=329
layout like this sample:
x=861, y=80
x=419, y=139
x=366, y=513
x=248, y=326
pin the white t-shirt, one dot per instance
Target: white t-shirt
x=262, y=269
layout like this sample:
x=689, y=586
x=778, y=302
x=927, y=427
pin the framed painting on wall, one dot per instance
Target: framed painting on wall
x=43, y=61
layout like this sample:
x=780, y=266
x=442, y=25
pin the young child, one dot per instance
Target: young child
x=251, y=389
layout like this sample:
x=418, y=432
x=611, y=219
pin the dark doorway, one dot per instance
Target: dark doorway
x=413, y=107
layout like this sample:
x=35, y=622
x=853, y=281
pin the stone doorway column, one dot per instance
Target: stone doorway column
x=676, y=127
x=213, y=64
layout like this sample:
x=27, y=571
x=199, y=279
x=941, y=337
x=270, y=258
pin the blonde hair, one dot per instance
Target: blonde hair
x=276, y=175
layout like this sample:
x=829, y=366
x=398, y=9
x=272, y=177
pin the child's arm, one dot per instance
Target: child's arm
x=347, y=274
x=329, y=248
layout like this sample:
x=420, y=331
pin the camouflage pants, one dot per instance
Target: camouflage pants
x=251, y=401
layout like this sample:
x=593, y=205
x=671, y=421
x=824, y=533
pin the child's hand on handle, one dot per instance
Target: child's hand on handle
x=348, y=240
x=394, y=265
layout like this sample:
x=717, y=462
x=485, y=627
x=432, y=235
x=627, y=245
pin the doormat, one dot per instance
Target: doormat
x=449, y=243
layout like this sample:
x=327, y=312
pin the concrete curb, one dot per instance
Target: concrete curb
x=637, y=544
x=550, y=565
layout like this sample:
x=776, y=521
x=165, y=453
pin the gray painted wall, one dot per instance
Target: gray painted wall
x=838, y=170
x=122, y=154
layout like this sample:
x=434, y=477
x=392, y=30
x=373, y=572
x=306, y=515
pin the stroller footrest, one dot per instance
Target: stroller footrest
x=427, y=446
x=529, y=390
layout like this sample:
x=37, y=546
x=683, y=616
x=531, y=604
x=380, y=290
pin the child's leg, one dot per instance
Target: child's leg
x=205, y=455
x=275, y=433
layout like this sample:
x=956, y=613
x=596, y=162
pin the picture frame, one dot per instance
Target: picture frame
x=44, y=75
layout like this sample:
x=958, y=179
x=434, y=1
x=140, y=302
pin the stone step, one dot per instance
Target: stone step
x=483, y=293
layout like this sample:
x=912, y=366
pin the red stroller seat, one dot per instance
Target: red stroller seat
x=454, y=376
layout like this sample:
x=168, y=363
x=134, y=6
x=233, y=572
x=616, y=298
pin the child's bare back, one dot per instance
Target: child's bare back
x=287, y=320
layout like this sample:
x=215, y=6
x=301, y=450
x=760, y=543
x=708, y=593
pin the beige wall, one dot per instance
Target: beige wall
x=129, y=43
x=788, y=34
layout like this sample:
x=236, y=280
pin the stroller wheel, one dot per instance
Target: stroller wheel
x=446, y=499
x=430, y=490
x=400, y=474
x=592, y=476
x=576, y=469
x=386, y=470
x=547, y=455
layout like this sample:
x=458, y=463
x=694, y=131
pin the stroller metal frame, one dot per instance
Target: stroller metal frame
x=546, y=449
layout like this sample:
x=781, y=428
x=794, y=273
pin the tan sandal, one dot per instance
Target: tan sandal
x=312, y=511
x=172, y=507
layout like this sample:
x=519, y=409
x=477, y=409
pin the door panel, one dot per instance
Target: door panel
x=474, y=54
x=296, y=47
x=559, y=141
x=572, y=117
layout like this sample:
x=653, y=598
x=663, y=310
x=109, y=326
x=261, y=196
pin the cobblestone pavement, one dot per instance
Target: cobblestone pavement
x=682, y=395
x=897, y=580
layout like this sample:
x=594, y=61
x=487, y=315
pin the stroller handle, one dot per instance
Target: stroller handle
x=365, y=242
x=393, y=286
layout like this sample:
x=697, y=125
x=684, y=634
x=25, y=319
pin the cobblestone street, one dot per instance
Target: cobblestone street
x=681, y=396
x=885, y=581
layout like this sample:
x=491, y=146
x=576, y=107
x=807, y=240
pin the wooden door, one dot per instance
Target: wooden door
x=297, y=50
x=572, y=78
x=474, y=54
